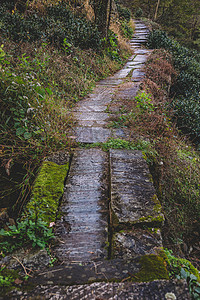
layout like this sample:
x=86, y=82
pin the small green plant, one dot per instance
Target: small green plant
x=183, y=269
x=27, y=232
x=111, y=47
x=126, y=29
x=144, y=102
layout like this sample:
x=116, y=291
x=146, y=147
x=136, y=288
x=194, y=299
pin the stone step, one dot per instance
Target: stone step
x=133, y=198
x=110, y=81
x=140, y=58
x=156, y=290
x=138, y=74
x=141, y=268
x=84, y=206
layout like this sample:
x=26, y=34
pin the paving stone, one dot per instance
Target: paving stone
x=110, y=82
x=142, y=51
x=133, y=198
x=122, y=73
x=92, y=134
x=130, y=244
x=128, y=93
x=156, y=290
x=83, y=225
x=141, y=58
x=91, y=116
x=138, y=74
x=84, y=272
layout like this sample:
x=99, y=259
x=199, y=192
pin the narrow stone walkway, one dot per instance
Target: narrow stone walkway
x=84, y=222
x=110, y=217
x=91, y=112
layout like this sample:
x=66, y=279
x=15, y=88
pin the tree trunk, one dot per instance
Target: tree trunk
x=156, y=12
x=101, y=9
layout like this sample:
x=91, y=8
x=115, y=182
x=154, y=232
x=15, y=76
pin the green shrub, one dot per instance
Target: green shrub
x=124, y=13
x=185, y=91
x=183, y=269
x=126, y=30
x=58, y=24
x=139, y=13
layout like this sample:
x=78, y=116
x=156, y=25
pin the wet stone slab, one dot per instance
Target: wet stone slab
x=141, y=59
x=82, y=229
x=142, y=51
x=91, y=116
x=130, y=244
x=133, y=199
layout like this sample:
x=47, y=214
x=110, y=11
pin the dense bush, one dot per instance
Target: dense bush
x=57, y=24
x=124, y=13
x=185, y=91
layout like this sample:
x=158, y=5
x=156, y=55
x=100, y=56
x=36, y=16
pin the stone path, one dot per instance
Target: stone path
x=91, y=112
x=110, y=222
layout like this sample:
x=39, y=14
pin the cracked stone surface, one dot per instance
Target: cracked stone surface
x=130, y=244
x=133, y=198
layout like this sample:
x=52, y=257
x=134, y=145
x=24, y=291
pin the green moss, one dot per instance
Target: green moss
x=157, y=207
x=152, y=267
x=47, y=191
x=158, y=220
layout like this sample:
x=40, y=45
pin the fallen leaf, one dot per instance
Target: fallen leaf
x=18, y=281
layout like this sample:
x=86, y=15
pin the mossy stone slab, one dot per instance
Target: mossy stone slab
x=133, y=198
x=47, y=191
x=141, y=269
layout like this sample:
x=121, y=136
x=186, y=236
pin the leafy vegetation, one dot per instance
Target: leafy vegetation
x=185, y=90
x=27, y=233
x=183, y=269
x=118, y=143
x=56, y=24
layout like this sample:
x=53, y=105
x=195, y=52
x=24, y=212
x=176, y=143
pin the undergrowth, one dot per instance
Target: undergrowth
x=42, y=78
